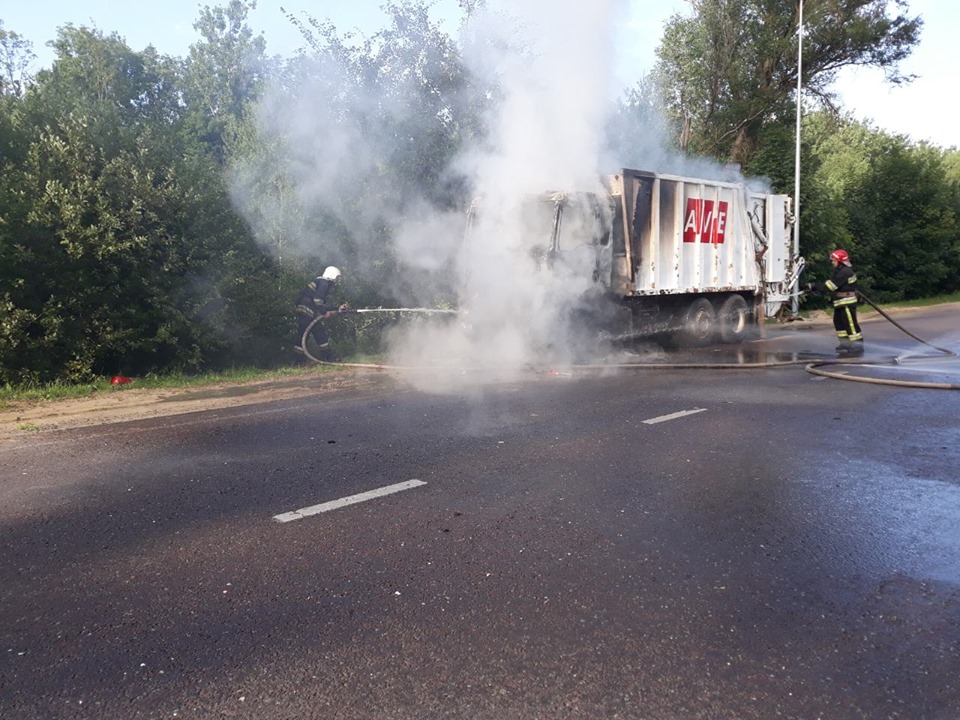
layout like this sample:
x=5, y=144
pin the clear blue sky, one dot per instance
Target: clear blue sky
x=920, y=110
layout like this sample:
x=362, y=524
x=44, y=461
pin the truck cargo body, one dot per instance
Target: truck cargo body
x=696, y=260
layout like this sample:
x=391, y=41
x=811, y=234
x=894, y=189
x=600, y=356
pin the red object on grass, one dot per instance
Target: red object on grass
x=120, y=380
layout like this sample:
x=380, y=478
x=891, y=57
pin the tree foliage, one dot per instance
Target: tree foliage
x=16, y=54
x=386, y=113
x=123, y=250
x=730, y=68
x=892, y=204
x=224, y=73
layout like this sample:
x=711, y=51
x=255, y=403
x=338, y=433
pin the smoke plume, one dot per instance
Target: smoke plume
x=548, y=70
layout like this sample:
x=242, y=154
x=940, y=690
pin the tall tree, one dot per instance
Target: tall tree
x=731, y=67
x=224, y=73
x=16, y=54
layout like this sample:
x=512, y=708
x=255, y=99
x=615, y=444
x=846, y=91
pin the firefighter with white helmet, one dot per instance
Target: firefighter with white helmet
x=312, y=302
x=842, y=286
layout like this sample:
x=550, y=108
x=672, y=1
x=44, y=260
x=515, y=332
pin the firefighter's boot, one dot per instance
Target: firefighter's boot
x=848, y=349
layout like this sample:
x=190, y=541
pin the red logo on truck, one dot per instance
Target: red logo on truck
x=705, y=219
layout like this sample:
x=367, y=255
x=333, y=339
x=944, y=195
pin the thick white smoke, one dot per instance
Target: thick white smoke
x=552, y=62
x=552, y=66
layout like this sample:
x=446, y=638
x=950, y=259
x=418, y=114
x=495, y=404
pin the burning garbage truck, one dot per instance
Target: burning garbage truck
x=650, y=255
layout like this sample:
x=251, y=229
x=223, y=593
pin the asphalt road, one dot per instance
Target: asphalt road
x=657, y=544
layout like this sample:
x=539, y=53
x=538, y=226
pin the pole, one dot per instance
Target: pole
x=795, y=302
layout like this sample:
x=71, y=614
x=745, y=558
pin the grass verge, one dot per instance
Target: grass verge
x=60, y=391
x=866, y=308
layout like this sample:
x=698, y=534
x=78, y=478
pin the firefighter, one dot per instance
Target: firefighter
x=842, y=286
x=312, y=303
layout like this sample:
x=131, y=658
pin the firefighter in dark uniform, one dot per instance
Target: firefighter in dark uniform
x=312, y=303
x=842, y=286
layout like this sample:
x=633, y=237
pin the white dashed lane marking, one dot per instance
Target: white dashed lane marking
x=673, y=416
x=349, y=500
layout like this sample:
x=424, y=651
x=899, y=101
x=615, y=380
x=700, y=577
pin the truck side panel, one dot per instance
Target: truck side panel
x=687, y=236
x=778, y=258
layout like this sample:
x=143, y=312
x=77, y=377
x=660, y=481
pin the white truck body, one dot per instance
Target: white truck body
x=701, y=259
x=692, y=236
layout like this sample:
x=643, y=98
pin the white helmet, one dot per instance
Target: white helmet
x=331, y=273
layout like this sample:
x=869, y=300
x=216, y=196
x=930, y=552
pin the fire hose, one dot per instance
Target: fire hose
x=901, y=327
x=350, y=311
x=814, y=368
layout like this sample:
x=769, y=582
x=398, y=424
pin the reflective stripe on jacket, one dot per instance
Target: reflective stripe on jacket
x=842, y=284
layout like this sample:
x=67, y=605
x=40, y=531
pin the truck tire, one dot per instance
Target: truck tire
x=735, y=320
x=698, y=326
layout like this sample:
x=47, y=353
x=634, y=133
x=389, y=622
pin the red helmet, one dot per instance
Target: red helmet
x=840, y=256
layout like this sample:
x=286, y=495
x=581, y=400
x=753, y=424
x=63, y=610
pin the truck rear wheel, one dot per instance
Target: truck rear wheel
x=735, y=319
x=699, y=323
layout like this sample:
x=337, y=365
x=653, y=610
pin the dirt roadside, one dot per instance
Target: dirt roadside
x=127, y=402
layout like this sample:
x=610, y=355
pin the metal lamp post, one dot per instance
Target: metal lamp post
x=795, y=304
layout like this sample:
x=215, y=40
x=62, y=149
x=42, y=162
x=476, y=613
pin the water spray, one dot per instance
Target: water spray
x=399, y=310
